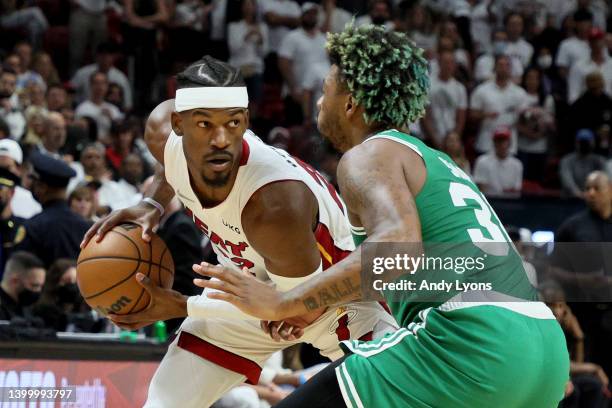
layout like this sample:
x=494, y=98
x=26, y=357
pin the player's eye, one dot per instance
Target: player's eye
x=203, y=124
x=234, y=123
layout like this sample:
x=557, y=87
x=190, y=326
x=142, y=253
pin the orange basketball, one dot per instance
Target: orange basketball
x=106, y=270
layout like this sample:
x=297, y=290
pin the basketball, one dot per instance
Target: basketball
x=106, y=270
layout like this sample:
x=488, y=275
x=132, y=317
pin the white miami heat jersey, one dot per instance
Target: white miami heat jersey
x=260, y=164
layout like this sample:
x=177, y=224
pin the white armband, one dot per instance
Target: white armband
x=285, y=284
x=202, y=307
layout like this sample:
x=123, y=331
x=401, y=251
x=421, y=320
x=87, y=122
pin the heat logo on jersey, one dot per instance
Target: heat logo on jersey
x=232, y=251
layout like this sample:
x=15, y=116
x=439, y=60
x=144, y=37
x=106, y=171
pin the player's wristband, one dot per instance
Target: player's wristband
x=155, y=204
x=303, y=379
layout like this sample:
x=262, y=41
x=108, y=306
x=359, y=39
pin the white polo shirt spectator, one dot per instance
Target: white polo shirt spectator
x=521, y=50
x=282, y=8
x=313, y=88
x=338, y=17
x=103, y=113
x=498, y=173
x=80, y=81
x=484, y=69
x=504, y=104
x=447, y=97
x=303, y=49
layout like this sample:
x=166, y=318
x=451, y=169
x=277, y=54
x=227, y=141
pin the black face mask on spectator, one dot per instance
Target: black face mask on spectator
x=27, y=297
x=378, y=20
x=309, y=24
x=4, y=94
x=584, y=147
x=68, y=294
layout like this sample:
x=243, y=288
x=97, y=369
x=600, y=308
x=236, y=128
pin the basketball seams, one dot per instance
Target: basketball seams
x=116, y=284
x=125, y=258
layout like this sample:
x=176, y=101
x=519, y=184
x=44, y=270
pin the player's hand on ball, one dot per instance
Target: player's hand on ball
x=164, y=304
x=142, y=214
x=243, y=290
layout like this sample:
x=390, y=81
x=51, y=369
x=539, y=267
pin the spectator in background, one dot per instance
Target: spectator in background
x=43, y=65
x=281, y=16
x=480, y=25
x=517, y=47
x=88, y=29
x=300, y=50
x=143, y=19
x=82, y=201
x=484, y=69
x=96, y=107
x=498, y=173
x=248, y=45
x=11, y=157
x=115, y=96
x=57, y=98
x=9, y=110
x=497, y=103
x=22, y=283
x=35, y=125
x=53, y=136
x=454, y=148
x=56, y=232
x=60, y=296
x=31, y=19
x=12, y=231
x=106, y=55
x=597, y=61
x=593, y=110
x=575, y=167
x=448, y=103
x=123, y=142
x=379, y=13
x=576, y=47
x=33, y=96
x=312, y=90
x=582, y=267
x=333, y=19
x=419, y=27
x=535, y=125
x=589, y=382
x=25, y=73
x=126, y=191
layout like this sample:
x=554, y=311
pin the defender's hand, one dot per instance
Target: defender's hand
x=164, y=304
x=243, y=290
x=142, y=214
x=282, y=330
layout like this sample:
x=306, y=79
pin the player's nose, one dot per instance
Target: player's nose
x=220, y=139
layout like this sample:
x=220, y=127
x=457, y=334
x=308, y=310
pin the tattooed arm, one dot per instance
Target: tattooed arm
x=377, y=180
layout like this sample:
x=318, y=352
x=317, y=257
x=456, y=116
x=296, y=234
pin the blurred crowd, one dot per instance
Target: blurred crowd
x=521, y=99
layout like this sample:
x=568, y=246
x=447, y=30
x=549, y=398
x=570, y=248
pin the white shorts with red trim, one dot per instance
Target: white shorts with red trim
x=210, y=356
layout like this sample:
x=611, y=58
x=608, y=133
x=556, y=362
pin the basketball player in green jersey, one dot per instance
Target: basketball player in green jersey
x=479, y=349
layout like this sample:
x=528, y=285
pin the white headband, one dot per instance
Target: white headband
x=211, y=97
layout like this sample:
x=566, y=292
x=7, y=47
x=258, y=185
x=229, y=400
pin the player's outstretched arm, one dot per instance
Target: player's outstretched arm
x=144, y=214
x=377, y=185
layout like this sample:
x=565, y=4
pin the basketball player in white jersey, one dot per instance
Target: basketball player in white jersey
x=261, y=209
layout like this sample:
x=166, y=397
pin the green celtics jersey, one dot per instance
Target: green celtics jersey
x=456, y=217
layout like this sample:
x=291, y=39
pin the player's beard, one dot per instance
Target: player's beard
x=220, y=179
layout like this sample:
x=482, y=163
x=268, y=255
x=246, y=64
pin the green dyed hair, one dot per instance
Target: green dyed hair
x=384, y=71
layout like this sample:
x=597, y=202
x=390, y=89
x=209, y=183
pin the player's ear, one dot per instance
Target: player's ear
x=350, y=106
x=176, y=121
